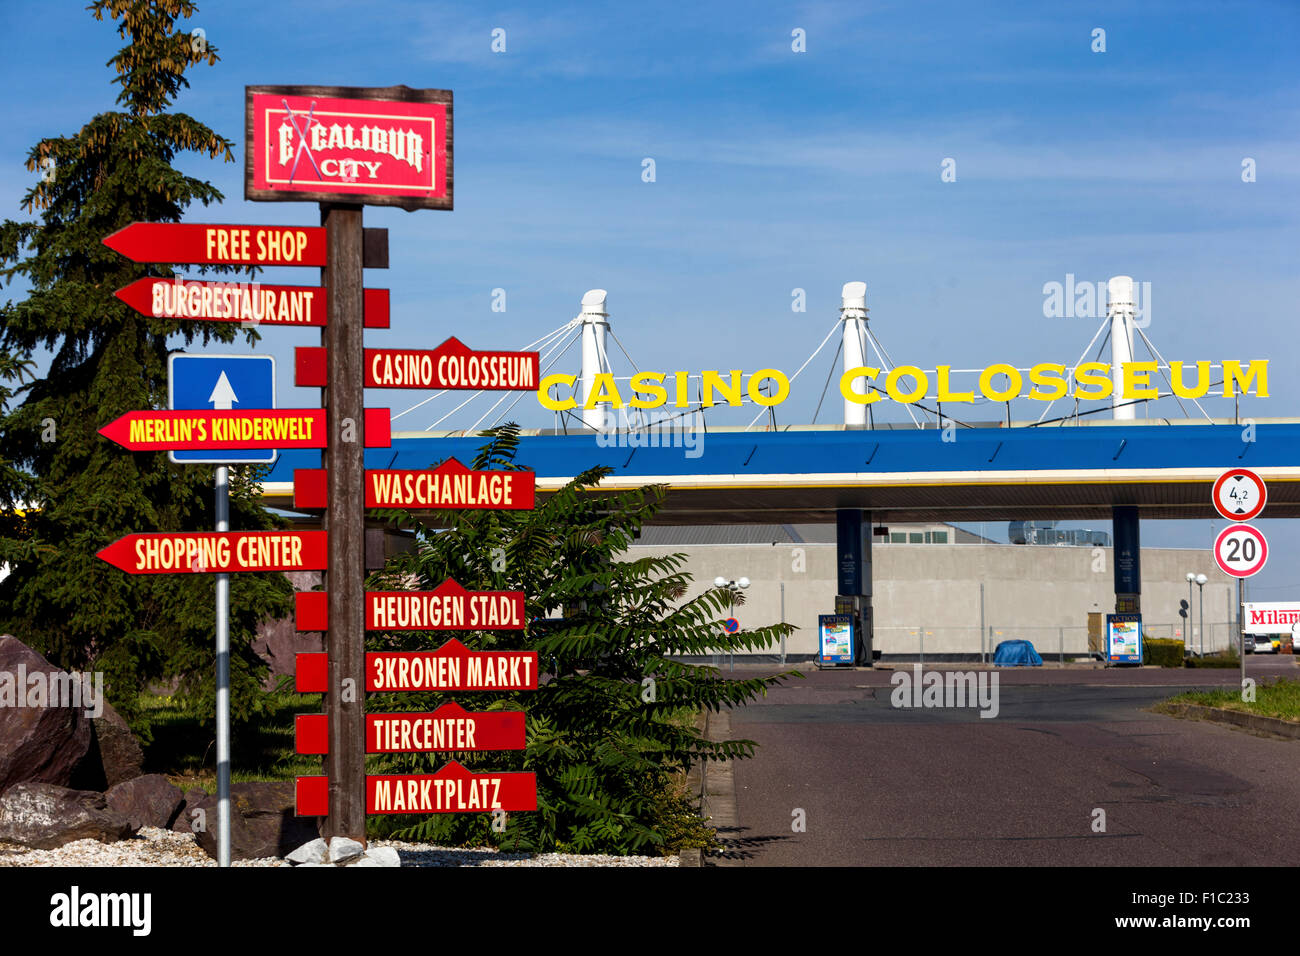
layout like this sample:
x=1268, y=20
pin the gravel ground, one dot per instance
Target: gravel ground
x=155, y=847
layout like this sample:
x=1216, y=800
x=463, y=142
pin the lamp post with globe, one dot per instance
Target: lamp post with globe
x=732, y=587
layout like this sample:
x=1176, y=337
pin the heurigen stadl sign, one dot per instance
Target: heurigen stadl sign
x=907, y=384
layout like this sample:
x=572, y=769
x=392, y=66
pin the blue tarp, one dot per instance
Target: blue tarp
x=1016, y=654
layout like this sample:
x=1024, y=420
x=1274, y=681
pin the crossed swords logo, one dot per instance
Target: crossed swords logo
x=302, y=139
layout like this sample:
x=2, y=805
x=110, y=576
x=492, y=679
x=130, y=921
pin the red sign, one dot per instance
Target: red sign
x=217, y=552
x=450, y=728
x=453, y=667
x=218, y=430
x=450, y=366
x=453, y=789
x=1239, y=494
x=1240, y=550
x=249, y=302
x=449, y=607
x=368, y=145
x=196, y=243
x=450, y=485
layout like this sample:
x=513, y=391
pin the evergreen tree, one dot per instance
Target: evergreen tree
x=614, y=716
x=83, y=492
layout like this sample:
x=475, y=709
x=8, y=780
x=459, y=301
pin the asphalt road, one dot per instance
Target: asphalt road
x=885, y=786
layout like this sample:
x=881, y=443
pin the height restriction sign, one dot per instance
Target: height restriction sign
x=1240, y=550
x=1239, y=494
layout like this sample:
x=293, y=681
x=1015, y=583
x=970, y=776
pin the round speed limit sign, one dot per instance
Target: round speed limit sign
x=1239, y=494
x=1240, y=550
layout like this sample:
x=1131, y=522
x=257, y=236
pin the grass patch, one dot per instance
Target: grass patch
x=1278, y=699
x=184, y=745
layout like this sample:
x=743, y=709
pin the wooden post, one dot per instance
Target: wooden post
x=344, y=463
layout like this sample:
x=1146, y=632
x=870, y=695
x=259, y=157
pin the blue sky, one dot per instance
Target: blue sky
x=778, y=170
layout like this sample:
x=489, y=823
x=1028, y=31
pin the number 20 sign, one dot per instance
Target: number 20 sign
x=1240, y=550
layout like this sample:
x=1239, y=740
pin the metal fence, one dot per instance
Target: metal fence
x=1055, y=644
x=1052, y=643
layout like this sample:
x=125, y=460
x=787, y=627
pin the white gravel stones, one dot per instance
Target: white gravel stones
x=155, y=847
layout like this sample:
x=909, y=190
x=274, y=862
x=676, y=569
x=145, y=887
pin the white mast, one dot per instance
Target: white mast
x=853, y=313
x=1120, y=309
x=595, y=320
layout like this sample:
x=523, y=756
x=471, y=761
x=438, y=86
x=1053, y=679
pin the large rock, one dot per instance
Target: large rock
x=42, y=744
x=45, y=816
x=185, y=821
x=262, y=821
x=278, y=642
x=149, y=801
x=116, y=749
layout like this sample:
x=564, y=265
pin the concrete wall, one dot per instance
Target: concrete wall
x=1041, y=594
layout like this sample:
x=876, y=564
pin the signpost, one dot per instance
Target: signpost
x=450, y=728
x=452, y=667
x=219, y=430
x=358, y=145
x=201, y=552
x=453, y=789
x=1240, y=495
x=248, y=302
x=449, y=607
x=450, y=485
x=342, y=147
x=1240, y=550
x=216, y=244
x=450, y=366
x=220, y=382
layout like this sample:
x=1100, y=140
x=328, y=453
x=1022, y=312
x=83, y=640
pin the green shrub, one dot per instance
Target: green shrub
x=611, y=727
x=1165, y=652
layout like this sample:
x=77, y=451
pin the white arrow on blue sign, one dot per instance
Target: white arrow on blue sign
x=221, y=382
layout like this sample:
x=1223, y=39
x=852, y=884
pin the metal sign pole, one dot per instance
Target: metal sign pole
x=223, y=678
x=1241, y=628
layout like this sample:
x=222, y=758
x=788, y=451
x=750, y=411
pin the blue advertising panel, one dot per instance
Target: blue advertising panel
x=1124, y=638
x=835, y=638
x=236, y=382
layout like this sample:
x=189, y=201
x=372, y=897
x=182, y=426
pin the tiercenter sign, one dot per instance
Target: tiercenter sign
x=907, y=384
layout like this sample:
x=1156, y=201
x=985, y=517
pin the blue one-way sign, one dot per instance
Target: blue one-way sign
x=221, y=382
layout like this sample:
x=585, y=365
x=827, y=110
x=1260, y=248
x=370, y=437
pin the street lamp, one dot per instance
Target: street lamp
x=731, y=586
x=1191, y=620
x=1200, y=590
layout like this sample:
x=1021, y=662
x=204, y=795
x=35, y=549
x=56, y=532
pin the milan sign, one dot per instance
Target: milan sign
x=376, y=146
